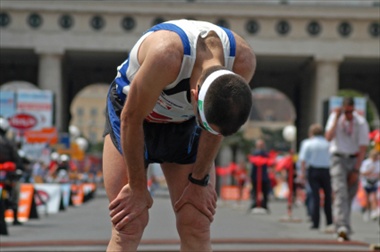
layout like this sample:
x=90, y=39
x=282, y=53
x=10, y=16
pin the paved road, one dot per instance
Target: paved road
x=87, y=228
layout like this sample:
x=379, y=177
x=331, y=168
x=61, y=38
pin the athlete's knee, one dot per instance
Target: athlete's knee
x=133, y=231
x=192, y=223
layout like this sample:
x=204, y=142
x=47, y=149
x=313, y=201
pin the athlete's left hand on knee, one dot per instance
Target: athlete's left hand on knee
x=202, y=198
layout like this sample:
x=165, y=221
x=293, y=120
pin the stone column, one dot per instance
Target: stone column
x=326, y=84
x=50, y=78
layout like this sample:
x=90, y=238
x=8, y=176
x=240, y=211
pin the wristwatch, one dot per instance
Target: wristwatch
x=201, y=182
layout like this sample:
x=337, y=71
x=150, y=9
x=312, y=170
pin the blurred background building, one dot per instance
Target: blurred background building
x=307, y=51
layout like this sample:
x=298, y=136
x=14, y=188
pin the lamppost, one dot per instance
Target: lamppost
x=78, y=144
x=82, y=143
x=290, y=133
x=74, y=131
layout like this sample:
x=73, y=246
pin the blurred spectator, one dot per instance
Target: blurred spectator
x=315, y=155
x=11, y=181
x=62, y=172
x=38, y=171
x=52, y=167
x=303, y=180
x=370, y=173
x=348, y=132
x=27, y=166
x=261, y=202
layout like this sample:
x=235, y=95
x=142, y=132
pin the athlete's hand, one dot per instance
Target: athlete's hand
x=128, y=205
x=353, y=177
x=201, y=197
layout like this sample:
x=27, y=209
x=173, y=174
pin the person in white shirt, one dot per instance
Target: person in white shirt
x=347, y=132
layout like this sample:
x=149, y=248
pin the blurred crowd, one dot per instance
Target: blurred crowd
x=333, y=166
x=335, y=171
x=17, y=167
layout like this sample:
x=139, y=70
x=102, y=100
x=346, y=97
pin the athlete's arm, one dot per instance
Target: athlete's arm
x=209, y=144
x=244, y=65
x=160, y=58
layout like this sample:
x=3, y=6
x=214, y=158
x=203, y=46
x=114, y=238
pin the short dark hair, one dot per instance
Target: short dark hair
x=228, y=102
x=348, y=101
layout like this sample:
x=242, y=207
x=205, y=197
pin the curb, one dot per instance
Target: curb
x=176, y=242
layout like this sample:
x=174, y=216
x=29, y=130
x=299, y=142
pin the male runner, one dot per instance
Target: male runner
x=183, y=87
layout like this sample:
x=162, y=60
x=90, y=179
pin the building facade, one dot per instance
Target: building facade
x=308, y=50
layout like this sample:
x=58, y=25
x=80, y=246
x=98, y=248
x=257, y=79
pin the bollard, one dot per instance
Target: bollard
x=289, y=217
x=290, y=186
x=259, y=186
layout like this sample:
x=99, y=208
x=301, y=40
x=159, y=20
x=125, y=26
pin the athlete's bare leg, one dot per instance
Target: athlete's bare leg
x=115, y=177
x=192, y=225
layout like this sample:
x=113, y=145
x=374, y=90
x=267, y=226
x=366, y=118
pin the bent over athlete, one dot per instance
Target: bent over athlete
x=182, y=88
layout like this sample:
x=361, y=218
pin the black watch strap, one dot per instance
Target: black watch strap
x=201, y=182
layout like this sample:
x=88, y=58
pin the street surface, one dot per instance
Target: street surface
x=87, y=228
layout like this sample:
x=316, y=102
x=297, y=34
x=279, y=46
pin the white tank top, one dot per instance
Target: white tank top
x=174, y=103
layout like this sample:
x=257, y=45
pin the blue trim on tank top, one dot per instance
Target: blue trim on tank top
x=115, y=123
x=122, y=81
x=176, y=29
x=231, y=37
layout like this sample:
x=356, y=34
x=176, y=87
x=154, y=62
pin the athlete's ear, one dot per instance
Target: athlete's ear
x=194, y=93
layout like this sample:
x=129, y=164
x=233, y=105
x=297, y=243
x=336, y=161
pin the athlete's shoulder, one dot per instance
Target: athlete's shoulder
x=245, y=59
x=162, y=45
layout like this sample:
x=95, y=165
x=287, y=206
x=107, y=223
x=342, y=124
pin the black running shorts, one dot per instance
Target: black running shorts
x=164, y=142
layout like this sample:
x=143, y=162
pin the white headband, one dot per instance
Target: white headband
x=202, y=95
